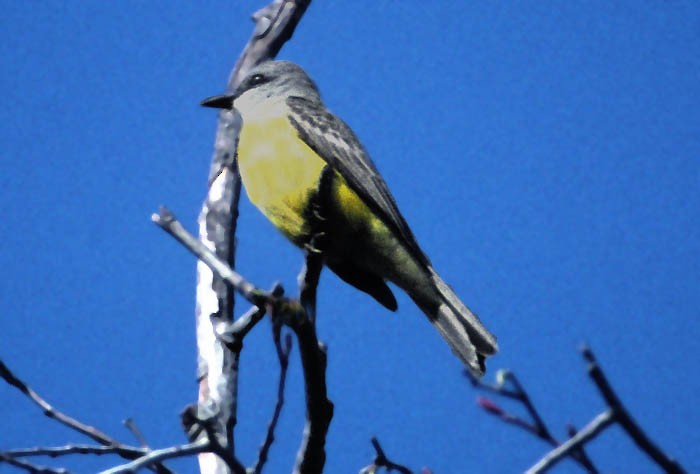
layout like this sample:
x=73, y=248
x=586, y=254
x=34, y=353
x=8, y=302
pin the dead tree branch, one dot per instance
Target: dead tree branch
x=283, y=356
x=159, y=455
x=623, y=417
x=108, y=445
x=615, y=413
x=68, y=449
x=382, y=461
x=219, y=337
x=217, y=363
x=311, y=456
x=319, y=409
x=590, y=431
x=507, y=385
x=31, y=467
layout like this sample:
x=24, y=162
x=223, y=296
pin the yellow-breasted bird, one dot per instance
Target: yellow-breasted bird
x=309, y=175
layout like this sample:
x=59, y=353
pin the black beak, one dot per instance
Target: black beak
x=219, y=102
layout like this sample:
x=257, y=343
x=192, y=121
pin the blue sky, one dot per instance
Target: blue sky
x=545, y=155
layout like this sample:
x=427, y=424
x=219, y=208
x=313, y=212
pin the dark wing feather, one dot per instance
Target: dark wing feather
x=336, y=143
x=370, y=283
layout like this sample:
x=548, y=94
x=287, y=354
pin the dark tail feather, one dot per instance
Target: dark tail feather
x=462, y=329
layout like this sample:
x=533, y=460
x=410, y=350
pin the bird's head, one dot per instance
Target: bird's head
x=268, y=80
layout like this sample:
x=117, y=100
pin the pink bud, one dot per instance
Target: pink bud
x=489, y=405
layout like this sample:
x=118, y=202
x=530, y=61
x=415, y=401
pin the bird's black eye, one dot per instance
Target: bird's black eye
x=256, y=80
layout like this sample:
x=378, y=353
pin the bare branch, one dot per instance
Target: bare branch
x=623, y=417
x=382, y=461
x=233, y=334
x=311, y=456
x=585, y=459
x=51, y=412
x=159, y=455
x=123, y=450
x=31, y=467
x=507, y=385
x=167, y=221
x=131, y=426
x=616, y=413
x=217, y=363
x=589, y=432
x=57, y=451
x=283, y=355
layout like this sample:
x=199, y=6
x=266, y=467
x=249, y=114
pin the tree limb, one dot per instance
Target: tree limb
x=382, y=461
x=158, y=455
x=283, y=356
x=616, y=413
x=507, y=385
x=623, y=417
x=123, y=450
x=31, y=467
x=319, y=410
x=57, y=451
x=217, y=364
x=590, y=431
x=311, y=456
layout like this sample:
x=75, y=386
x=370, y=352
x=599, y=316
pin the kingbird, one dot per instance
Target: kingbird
x=307, y=172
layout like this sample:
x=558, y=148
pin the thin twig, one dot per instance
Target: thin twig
x=616, y=413
x=233, y=334
x=167, y=221
x=590, y=431
x=159, y=455
x=131, y=426
x=283, y=356
x=123, y=450
x=57, y=451
x=494, y=409
x=507, y=385
x=382, y=461
x=31, y=467
x=623, y=417
x=585, y=459
x=53, y=413
x=534, y=414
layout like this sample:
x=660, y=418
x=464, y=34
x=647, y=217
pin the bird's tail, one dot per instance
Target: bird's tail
x=462, y=329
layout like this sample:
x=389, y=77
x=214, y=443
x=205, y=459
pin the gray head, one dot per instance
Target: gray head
x=271, y=79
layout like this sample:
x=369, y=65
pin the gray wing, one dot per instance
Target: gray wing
x=336, y=143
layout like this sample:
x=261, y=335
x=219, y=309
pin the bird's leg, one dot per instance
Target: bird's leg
x=308, y=279
x=314, y=247
x=317, y=219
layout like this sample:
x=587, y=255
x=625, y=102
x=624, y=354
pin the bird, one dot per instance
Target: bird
x=308, y=173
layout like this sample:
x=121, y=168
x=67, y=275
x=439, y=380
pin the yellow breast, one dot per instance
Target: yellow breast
x=279, y=171
x=280, y=174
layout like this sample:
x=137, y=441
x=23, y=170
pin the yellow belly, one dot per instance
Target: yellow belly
x=279, y=172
